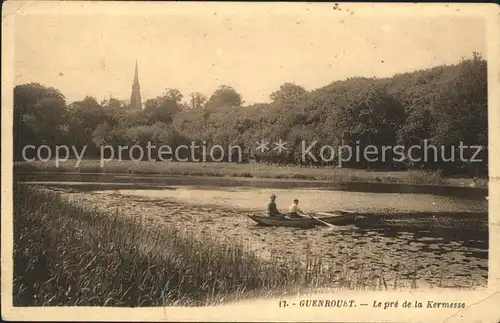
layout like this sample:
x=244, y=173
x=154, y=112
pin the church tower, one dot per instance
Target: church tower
x=135, y=97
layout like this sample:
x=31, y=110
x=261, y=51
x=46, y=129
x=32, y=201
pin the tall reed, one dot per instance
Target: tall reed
x=66, y=253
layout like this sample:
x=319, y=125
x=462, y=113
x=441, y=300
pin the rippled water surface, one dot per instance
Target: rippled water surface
x=442, y=241
x=314, y=200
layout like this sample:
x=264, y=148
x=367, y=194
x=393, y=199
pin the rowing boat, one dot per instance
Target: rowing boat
x=335, y=218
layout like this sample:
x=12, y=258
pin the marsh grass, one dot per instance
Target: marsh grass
x=427, y=177
x=66, y=254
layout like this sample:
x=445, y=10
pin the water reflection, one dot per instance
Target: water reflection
x=447, y=235
x=445, y=232
x=224, y=182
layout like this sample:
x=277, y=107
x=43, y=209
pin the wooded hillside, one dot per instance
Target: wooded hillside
x=445, y=105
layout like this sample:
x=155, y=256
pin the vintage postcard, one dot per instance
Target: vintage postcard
x=250, y=162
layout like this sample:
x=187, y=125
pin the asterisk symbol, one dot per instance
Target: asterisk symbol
x=262, y=146
x=280, y=146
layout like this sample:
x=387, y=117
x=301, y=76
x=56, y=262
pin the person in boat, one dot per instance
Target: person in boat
x=295, y=211
x=272, y=210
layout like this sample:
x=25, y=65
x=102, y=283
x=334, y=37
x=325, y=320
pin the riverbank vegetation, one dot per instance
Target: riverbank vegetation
x=252, y=170
x=68, y=254
x=443, y=106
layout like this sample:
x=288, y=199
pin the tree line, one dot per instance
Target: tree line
x=443, y=106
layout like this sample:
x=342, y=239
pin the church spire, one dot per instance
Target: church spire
x=136, y=76
x=135, y=97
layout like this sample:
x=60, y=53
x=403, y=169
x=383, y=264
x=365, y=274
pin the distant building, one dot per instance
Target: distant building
x=135, y=97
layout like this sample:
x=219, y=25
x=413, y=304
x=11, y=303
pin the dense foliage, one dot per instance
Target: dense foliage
x=444, y=105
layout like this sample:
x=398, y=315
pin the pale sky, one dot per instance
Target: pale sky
x=255, y=53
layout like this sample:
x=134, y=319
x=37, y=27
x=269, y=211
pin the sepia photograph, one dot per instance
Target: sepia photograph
x=191, y=156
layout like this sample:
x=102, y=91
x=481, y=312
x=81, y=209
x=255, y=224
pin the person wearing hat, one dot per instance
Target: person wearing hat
x=272, y=210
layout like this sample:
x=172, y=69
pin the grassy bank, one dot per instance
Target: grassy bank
x=251, y=170
x=68, y=254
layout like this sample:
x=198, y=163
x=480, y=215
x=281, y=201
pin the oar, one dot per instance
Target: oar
x=325, y=223
x=337, y=213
